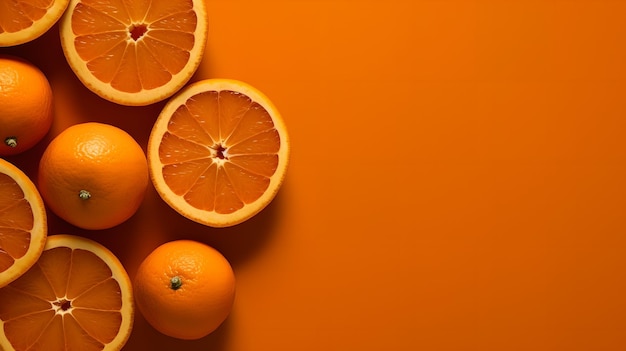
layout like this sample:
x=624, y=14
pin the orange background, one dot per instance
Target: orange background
x=457, y=179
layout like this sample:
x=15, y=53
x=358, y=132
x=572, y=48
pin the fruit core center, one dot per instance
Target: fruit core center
x=220, y=152
x=62, y=305
x=137, y=31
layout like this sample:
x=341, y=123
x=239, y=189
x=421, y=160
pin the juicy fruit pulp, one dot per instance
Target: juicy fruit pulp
x=242, y=153
x=18, y=15
x=218, y=152
x=22, y=21
x=134, y=52
x=77, y=296
x=16, y=221
x=23, y=228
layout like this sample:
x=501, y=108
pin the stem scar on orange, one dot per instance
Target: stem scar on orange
x=134, y=52
x=185, y=289
x=218, y=152
x=93, y=175
x=23, y=226
x=78, y=296
x=26, y=110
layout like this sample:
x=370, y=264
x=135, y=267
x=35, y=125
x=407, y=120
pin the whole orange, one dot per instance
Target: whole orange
x=93, y=175
x=185, y=289
x=26, y=110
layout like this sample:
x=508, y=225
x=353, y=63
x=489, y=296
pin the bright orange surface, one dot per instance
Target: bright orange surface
x=16, y=220
x=186, y=151
x=457, y=179
x=162, y=53
x=97, y=310
x=15, y=17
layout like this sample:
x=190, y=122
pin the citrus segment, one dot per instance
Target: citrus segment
x=134, y=52
x=218, y=152
x=76, y=297
x=22, y=21
x=23, y=227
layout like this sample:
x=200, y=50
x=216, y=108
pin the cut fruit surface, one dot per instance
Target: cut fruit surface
x=76, y=297
x=23, y=227
x=134, y=52
x=22, y=21
x=218, y=152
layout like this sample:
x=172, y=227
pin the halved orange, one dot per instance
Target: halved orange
x=76, y=297
x=22, y=21
x=23, y=226
x=218, y=152
x=134, y=52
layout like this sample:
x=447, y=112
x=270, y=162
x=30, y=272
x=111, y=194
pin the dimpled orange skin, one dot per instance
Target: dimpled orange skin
x=202, y=301
x=26, y=111
x=101, y=159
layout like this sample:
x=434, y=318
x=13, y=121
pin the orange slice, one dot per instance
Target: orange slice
x=23, y=227
x=22, y=21
x=76, y=297
x=218, y=152
x=134, y=52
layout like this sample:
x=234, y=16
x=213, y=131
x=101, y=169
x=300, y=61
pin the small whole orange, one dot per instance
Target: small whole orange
x=185, y=289
x=93, y=175
x=26, y=110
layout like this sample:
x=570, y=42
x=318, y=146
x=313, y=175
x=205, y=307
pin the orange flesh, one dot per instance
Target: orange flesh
x=220, y=151
x=114, y=36
x=68, y=297
x=17, y=15
x=16, y=222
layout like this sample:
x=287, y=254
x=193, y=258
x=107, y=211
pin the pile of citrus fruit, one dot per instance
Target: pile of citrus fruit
x=217, y=155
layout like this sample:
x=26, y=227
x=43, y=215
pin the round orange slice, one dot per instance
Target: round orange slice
x=218, y=152
x=23, y=227
x=134, y=52
x=22, y=21
x=76, y=297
